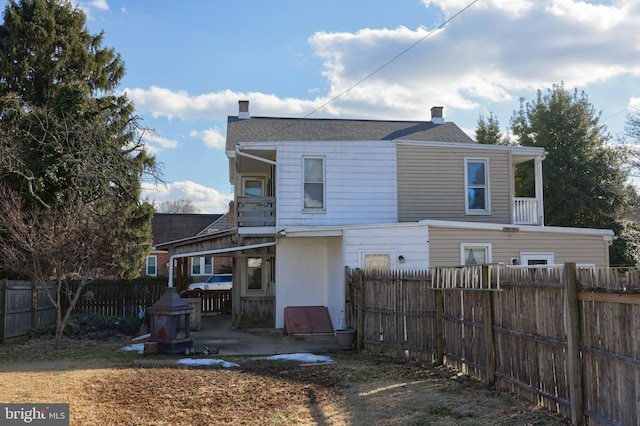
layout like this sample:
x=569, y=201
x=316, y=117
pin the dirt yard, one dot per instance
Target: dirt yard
x=105, y=386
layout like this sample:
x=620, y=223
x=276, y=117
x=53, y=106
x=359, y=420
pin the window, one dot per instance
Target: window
x=377, y=261
x=476, y=181
x=475, y=254
x=314, y=183
x=254, y=272
x=152, y=266
x=201, y=265
x=253, y=187
x=530, y=258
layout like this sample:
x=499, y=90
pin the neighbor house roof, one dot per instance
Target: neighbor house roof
x=309, y=129
x=167, y=227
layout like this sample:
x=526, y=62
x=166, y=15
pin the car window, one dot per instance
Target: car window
x=219, y=279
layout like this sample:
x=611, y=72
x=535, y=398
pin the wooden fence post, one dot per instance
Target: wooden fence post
x=360, y=314
x=488, y=326
x=572, y=312
x=4, y=296
x=438, y=296
x=34, y=304
x=439, y=299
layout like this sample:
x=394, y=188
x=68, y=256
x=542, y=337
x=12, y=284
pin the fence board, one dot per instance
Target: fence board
x=22, y=306
x=398, y=316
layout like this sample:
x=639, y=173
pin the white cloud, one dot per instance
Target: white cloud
x=88, y=5
x=492, y=53
x=634, y=105
x=213, y=137
x=207, y=200
x=161, y=102
x=155, y=143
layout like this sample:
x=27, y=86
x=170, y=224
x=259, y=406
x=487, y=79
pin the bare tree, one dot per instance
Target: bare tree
x=71, y=243
x=178, y=206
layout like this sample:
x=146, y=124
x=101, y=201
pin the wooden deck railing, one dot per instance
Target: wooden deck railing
x=256, y=211
x=525, y=211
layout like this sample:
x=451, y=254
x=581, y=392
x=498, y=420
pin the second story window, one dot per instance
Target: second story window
x=476, y=182
x=314, y=183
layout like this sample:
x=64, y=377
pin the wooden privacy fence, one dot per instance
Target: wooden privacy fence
x=563, y=338
x=118, y=298
x=212, y=301
x=23, y=305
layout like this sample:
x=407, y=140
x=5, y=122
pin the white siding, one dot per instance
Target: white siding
x=360, y=183
x=310, y=272
x=411, y=242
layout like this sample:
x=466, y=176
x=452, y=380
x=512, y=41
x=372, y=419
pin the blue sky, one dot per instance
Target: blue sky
x=189, y=62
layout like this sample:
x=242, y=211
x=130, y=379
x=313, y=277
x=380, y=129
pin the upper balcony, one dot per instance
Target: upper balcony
x=256, y=212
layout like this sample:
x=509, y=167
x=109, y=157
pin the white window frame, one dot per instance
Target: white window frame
x=526, y=256
x=249, y=178
x=202, y=266
x=389, y=254
x=486, y=186
x=486, y=246
x=323, y=182
x=155, y=265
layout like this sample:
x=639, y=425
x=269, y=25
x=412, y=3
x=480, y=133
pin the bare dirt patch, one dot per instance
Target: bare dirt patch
x=105, y=386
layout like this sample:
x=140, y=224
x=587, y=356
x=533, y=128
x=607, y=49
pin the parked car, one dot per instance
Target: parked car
x=214, y=282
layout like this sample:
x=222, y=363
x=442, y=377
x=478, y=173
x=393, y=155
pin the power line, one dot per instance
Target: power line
x=614, y=115
x=380, y=68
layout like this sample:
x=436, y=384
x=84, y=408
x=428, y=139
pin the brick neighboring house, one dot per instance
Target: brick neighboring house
x=169, y=227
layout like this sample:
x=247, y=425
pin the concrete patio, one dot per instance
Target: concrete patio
x=216, y=332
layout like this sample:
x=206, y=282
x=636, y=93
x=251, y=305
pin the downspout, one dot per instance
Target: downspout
x=216, y=251
x=538, y=188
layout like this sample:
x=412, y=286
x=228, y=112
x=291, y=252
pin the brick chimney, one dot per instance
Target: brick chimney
x=243, y=110
x=436, y=115
x=232, y=214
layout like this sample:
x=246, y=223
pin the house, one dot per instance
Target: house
x=167, y=227
x=313, y=196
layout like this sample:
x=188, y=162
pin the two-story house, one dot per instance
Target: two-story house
x=315, y=195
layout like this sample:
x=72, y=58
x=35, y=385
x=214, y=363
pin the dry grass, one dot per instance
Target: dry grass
x=105, y=386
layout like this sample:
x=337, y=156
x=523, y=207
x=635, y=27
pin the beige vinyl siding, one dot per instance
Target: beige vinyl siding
x=444, y=245
x=431, y=183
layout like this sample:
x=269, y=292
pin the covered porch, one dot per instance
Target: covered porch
x=253, y=292
x=527, y=204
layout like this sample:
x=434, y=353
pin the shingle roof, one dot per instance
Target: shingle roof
x=167, y=227
x=308, y=129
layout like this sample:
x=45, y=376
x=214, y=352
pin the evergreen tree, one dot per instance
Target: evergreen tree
x=68, y=145
x=488, y=131
x=583, y=176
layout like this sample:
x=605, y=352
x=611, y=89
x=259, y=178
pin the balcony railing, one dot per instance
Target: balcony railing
x=525, y=211
x=256, y=211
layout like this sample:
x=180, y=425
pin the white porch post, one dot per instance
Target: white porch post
x=538, y=185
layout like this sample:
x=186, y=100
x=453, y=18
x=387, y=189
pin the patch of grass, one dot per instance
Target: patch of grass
x=443, y=411
x=35, y=352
